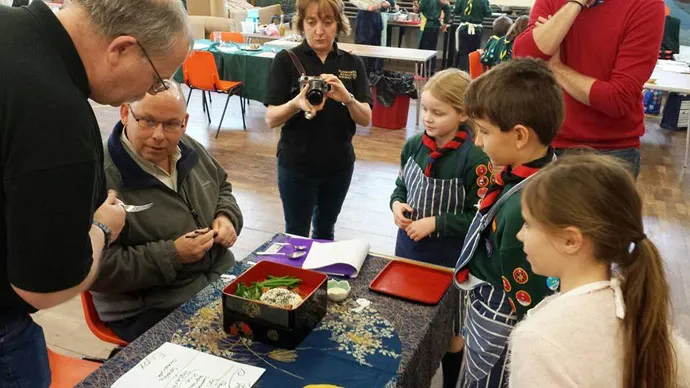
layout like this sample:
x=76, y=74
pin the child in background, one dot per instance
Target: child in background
x=442, y=176
x=470, y=14
x=517, y=108
x=610, y=324
x=432, y=26
x=489, y=54
x=505, y=45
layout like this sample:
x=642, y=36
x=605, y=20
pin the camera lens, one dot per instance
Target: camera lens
x=315, y=96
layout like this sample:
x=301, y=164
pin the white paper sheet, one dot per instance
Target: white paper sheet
x=337, y=255
x=174, y=366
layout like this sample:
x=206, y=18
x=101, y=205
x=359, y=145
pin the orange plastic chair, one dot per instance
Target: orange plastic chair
x=98, y=327
x=66, y=372
x=199, y=71
x=476, y=67
x=228, y=36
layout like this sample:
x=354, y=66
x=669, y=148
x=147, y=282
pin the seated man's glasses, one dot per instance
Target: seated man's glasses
x=172, y=126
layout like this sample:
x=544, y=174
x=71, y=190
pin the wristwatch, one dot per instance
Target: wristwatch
x=107, y=233
x=352, y=99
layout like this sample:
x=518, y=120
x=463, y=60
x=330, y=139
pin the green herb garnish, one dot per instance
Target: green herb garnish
x=254, y=291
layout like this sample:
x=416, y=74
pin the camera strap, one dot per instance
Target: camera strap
x=296, y=62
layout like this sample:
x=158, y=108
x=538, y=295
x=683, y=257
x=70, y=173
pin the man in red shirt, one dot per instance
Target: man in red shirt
x=602, y=53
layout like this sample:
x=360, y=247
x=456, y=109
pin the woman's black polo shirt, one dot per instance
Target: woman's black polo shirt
x=323, y=144
x=51, y=158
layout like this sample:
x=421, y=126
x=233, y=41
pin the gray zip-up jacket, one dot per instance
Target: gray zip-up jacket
x=141, y=269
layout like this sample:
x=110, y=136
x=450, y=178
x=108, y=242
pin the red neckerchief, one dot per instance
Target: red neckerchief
x=436, y=153
x=514, y=176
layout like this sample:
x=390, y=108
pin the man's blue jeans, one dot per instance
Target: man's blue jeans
x=23, y=353
x=629, y=155
x=316, y=197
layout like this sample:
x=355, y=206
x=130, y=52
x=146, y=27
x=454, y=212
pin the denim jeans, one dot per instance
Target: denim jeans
x=629, y=155
x=131, y=328
x=23, y=353
x=312, y=198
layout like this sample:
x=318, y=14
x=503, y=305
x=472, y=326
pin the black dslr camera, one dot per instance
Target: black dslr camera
x=316, y=88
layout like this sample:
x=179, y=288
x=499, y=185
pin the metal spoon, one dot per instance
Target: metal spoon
x=136, y=208
x=293, y=255
x=297, y=247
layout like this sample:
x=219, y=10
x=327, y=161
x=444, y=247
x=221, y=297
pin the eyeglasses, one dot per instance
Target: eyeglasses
x=162, y=86
x=172, y=126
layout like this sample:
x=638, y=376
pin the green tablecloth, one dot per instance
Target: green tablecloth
x=239, y=65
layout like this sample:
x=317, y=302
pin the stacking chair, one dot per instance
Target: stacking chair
x=199, y=71
x=98, y=327
x=228, y=36
x=476, y=67
x=66, y=372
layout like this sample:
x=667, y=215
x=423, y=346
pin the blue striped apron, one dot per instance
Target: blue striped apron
x=430, y=197
x=489, y=319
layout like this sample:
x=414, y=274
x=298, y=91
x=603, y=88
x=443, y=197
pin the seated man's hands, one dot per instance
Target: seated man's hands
x=225, y=231
x=191, y=247
x=111, y=214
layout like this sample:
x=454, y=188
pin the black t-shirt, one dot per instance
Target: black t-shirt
x=51, y=158
x=324, y=143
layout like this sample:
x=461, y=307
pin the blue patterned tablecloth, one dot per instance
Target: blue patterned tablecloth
x=391, y=343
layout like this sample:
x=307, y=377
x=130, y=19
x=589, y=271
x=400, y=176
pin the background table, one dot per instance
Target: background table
x=424, y=331
x=667, y=81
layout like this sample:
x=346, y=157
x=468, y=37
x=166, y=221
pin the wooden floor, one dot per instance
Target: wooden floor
x=249, y=157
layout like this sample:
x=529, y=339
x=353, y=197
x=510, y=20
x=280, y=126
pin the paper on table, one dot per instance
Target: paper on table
x=174, y=366
x=343, y=258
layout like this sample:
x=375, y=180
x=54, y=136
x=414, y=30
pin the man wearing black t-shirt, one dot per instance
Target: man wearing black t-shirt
x=55, y=217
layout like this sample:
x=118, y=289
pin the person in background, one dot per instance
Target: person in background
x=315, y=153
x=602, y=74
x=57, y=216
x=171, y=251
x=503, y=49
x=432, y=25
x=610, y=325
x=471, y=13
x=368, y=28
x=517, y=108
x=489, y=54
x=443, y=174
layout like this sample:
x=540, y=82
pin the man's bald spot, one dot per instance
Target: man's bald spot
x=174, y=92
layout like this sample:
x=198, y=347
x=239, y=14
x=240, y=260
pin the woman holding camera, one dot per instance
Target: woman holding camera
x=318, y=114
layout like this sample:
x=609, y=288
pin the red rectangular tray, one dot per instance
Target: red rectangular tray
x=413, y=282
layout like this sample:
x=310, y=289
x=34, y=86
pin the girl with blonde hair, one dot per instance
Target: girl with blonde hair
x=442, y=176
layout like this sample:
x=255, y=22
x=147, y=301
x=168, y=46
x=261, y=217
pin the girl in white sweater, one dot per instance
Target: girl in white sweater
x=609, y=325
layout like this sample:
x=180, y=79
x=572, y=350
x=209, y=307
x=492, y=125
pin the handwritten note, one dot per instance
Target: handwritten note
x=174, y=366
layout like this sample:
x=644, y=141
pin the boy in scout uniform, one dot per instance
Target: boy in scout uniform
x=517, y=108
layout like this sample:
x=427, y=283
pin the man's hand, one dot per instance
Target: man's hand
x=373, y=8
x=541, y=21
x=399, y=210
x=444, y=27
x=225, y=231
x=111, y=214
x=191, y=247
x=420, y=229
